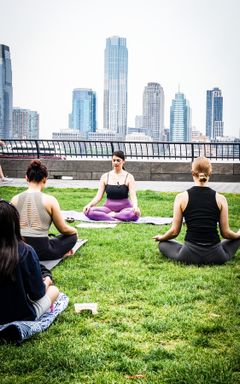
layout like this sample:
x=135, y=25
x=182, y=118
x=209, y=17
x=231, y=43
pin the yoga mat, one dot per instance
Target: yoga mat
x=95, y=225
x=50, y=264
x=18, y=331
x=79, y=216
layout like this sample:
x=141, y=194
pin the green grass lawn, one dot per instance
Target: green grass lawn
x=164, y=321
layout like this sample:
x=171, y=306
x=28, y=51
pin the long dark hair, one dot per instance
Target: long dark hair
x=36, y=171
x=9, y=239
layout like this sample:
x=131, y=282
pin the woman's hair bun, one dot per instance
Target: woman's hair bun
x=202, y=176
x=36, y=163
x=36, y=171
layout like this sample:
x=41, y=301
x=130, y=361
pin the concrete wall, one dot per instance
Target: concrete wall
x=142, y=170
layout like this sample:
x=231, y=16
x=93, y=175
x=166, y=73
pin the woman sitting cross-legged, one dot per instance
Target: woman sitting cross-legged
x=203, y=210
x=118, y=185
x=24, y=294
x=37, y=211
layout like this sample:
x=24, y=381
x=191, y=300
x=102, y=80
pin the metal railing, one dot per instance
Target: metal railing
x=68, y=149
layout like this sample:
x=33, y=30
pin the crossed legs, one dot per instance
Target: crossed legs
x=105, y=214
x=196, y=254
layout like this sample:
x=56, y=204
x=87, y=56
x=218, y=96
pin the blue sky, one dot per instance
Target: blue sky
x=58, y=45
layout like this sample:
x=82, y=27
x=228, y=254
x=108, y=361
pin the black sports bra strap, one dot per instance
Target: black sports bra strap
x=126, y=178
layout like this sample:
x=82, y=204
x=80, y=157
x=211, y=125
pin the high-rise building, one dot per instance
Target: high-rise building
x=214, y=113
x=25, y=124
x=139, y=121
x=115, y=85
x=83, y=116
x=5, y=93
x=153, y=111
x=180, y=119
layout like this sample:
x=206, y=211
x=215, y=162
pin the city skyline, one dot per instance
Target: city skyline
x=59, y=45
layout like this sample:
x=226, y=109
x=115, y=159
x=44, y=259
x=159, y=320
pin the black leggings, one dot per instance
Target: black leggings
x=190, y=253
x=51, y=249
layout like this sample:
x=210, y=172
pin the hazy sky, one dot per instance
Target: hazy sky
x=58, y=45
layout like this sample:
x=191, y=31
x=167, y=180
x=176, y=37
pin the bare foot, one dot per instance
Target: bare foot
x=69, y=253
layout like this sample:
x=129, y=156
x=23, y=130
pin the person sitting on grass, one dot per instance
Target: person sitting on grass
x=37, y=211
x=2, y=177
x=203, y=210
x=24, y=294
x=118, y=185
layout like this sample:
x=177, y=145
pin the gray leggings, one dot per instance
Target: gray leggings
x=190, y=253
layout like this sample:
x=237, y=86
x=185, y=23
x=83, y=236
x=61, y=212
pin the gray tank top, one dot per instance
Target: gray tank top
x=34, y=218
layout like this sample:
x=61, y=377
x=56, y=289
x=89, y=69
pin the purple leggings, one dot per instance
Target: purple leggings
x=122, y=208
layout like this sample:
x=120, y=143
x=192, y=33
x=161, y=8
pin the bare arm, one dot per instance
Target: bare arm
x=14, y=200
x=179, y=203
x=133, y=195
x=2, y=143
x=99, y=195
x=225, y=230
x=53, y=208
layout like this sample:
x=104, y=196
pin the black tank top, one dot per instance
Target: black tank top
x=202, y=216
x=117, y=192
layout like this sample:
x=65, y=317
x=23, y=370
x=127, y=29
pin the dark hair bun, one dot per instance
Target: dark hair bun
x=36, y=164
x=36, y=171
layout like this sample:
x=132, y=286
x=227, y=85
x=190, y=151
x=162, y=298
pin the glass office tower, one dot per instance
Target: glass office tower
x=83, y=117
x=214, y=113
x=5, y=93
x=180, y=119
x=115, y=86
x=153, y=111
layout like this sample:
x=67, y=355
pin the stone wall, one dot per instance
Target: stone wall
x=142, y=170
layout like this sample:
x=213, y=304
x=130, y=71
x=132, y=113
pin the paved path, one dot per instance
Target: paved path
x=162, y=186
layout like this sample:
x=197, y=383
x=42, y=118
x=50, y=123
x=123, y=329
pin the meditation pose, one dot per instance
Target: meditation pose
x=37, y=211
x=203, y=210
x=118, y=185
x=24, y=294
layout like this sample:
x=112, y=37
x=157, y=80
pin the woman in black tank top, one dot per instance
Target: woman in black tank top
x=205, y=211
x=119, y=185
